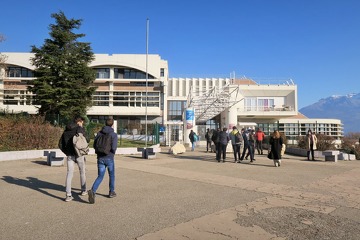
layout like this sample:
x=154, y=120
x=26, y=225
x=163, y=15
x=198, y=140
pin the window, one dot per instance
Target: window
x=265, y=104
x=175, y=110
x=136, y=99
x=250, y=104
x=162, y=72
x=130, y=73
x=101, y=99
x=17, y=72
x=10, y=97
x=102, y=72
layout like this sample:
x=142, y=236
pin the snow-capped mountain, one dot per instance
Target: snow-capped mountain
x=346, y=108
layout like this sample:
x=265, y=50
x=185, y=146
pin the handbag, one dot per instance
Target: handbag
x=270, y=155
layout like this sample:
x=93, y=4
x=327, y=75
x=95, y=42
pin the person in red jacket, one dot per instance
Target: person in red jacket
x=259, y=136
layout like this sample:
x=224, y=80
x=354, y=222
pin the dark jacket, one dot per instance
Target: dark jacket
x=114, y=140
x=192, y=137
x=276, y=144
x=224, y=137
x=66, y=141
x=215, y=136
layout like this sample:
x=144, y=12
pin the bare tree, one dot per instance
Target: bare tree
x=3, y=57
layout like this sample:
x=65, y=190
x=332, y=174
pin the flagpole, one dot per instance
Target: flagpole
x=146, y=106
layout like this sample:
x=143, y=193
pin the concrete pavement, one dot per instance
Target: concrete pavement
x=188, y=196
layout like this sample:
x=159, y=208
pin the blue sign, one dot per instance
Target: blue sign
x=189, y=115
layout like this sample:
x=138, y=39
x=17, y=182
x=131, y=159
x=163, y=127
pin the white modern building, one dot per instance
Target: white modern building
x=124, y=92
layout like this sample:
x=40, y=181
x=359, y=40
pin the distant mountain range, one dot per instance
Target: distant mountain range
x=346, y=108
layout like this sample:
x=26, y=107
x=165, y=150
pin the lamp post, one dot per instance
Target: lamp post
x=146, y=77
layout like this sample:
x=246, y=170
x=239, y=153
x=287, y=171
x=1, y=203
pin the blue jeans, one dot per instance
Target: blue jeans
x=193, y=144
x=103, y=163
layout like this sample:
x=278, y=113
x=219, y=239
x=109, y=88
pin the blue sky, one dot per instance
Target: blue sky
x=314, y=42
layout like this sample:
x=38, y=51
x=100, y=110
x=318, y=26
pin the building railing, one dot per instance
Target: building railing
x=267, y=109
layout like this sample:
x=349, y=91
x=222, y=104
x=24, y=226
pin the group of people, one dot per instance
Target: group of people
x=245, y=141
x=104, y=161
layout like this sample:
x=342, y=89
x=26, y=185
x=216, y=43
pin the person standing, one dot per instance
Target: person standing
x=236, y=142
x=224, y=140
x=215, y=139
x=67, y=147
x=311, y=142
x=275, y=148
x=259, y=136
x=192, y=137
x=208, y=136
x=105, y=160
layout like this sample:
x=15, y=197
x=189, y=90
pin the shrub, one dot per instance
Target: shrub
x=349, y=145
x=324, y=142
x=19, y=132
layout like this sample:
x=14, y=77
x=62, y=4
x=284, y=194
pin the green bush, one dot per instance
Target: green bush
x=22, y=132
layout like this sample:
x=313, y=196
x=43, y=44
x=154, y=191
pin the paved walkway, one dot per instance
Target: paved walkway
x=188, y=196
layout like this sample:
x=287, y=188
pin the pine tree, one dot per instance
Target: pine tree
x=64, y=80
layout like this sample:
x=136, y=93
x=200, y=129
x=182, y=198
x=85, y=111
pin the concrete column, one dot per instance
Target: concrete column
x=189, y=124
x=231, y=117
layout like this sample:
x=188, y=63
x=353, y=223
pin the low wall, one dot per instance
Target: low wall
x=33, y=154
x=302, y=152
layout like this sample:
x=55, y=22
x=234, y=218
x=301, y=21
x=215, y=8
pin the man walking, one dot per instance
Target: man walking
x=105, y=158
x=236, y=142
x=247, y=145
x=67, y=147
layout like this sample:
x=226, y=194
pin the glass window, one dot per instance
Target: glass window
x=19, y=72
x=162, y=72
x=102, y=72
x=175, y=110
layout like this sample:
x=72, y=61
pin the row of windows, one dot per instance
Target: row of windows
x=122, y=73
x=127, y=99
x=103, y=73
x=17, y=72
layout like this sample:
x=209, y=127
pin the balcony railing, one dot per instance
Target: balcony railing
x=267, y=109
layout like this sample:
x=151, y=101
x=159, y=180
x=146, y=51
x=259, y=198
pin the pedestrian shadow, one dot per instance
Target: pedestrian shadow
x=39, y=185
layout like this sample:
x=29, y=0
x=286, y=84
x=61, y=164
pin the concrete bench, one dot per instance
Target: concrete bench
x=147, y=152
x=52, y=160
x=331, y=155
x=346, y=156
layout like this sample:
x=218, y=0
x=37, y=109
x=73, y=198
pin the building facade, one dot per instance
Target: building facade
x=134, y=100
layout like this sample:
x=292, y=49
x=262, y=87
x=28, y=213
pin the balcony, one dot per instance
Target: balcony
x=284, y=110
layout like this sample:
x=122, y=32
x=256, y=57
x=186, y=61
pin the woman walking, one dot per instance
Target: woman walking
x=275, y=148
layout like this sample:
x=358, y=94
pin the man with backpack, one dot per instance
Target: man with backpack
x=66, y=145
x=105, y=145
x=236, y=142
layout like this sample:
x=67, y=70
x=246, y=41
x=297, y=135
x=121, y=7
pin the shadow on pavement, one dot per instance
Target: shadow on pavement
x=39, y=185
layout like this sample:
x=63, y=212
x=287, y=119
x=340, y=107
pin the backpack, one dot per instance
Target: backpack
x=102, y=144
x=251, y=137
x=238, y=137
x=81, y=146
x=196, y=138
